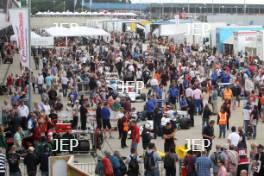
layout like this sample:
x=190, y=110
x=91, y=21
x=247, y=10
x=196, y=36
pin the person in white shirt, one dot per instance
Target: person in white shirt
x=23, y=110
x=197, y=97
x=233, y=138
x=64, y=84
x=189, y=92
x=40, y=82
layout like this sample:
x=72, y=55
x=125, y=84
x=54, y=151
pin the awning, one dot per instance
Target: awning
x=230, y=41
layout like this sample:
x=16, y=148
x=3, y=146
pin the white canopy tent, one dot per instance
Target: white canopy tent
x=37, y=40
x=78, y=31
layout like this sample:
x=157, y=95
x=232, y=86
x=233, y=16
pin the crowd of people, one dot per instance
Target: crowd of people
x=179, y=77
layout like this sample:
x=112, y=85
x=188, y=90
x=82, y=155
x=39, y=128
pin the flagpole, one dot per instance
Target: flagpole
x=29, y=59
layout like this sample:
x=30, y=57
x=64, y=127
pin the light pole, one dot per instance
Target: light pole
x=188, y=6
x=236, y=9
x=200, y=9
x=64, y=6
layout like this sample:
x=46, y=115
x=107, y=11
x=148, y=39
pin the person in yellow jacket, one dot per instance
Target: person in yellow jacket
x=222, y=122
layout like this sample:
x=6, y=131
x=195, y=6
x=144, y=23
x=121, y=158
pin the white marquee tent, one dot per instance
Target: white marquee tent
x=37, y=40
x=78, y=31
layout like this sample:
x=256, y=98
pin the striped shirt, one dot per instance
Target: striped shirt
x=2, y=163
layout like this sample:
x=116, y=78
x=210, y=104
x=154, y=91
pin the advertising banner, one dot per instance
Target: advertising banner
x=19, y=21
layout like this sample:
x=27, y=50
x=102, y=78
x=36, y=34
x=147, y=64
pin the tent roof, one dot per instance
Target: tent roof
x=76, y=31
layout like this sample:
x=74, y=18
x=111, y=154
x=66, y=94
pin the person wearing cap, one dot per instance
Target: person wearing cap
x=258, y=163
x=31, y=161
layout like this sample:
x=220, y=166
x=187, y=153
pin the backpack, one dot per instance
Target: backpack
x=123, y=167
x=133, y=166
x=108, y=169
x=149, y=162
x=169, y=162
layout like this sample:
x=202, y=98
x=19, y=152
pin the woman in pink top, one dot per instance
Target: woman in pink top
x=222, y=169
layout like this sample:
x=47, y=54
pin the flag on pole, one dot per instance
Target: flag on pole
x=19, y=21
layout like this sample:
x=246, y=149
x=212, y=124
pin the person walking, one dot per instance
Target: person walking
x=246, y=116
x=83, y=113
x=217, y=155
x=3, y=163
x=13, y=160
x=254, y=117
x=214, y=97
x=124, y=130
x=133, y=161
x=222, y=169
x=44, y=161
x=157, y=120
x=170, y=160
x=151, y=159
x=208, y=133
x=203, y=165
x=105, y=113
x=191, y=109
x=243, y=161
x=31, y=161
x=258, y=163
x=168, y=136
x=233, y=138
x=135, y=134
x=206, y=115
x=222, y=122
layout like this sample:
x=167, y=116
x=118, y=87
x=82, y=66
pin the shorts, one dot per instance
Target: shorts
x=107, y=124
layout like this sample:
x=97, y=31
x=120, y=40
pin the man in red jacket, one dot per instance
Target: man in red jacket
x=135, y=135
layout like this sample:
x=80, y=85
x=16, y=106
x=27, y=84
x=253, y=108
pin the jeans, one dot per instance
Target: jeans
x=170, y=172
x=246, y=124
x=222, y=131
x=64, y=89
x=198, y=105
x=134, y=145
x=123, y=139
x=154, y=172
x=117, y=172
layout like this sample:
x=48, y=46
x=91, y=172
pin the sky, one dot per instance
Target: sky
x=202, y=1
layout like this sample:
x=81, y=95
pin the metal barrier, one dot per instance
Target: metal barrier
x=90, y=167
x=86, y=167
